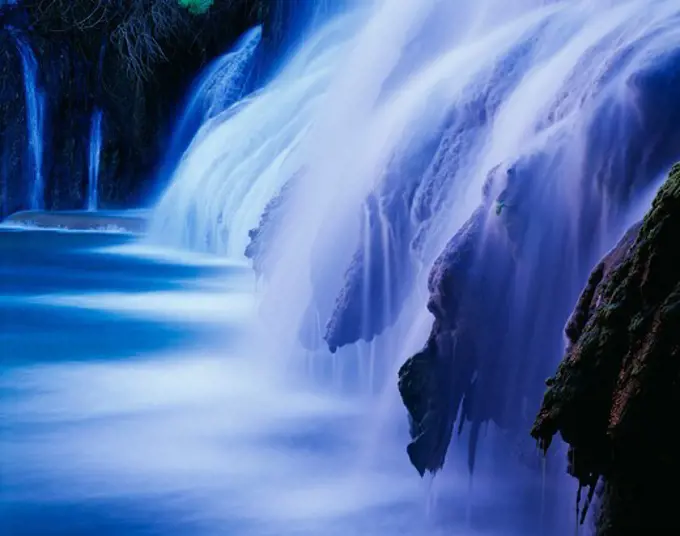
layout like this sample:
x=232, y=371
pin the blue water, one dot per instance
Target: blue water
x=138, y=397
x=128, y=406
x=94, y=160
x=35, y=113
x=220, y=85
x=146, y=391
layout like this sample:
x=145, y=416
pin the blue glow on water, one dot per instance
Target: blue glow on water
x=35, y=117
x=149, y=388
x=94, y=158
x=135, y=401
x=221, y=84
x=393, y=129
x=244, y=172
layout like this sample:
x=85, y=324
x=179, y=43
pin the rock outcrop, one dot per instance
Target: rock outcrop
x=437, y=381
x=471, y=369
x=616, y=396
x=379, y=276
x=503, y=288
x=262, y=236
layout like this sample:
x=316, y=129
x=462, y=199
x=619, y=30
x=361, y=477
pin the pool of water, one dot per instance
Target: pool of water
x=135, y=400
x=130, y=404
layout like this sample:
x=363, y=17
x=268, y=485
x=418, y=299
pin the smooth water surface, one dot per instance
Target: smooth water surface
x=135, y=400
x=129, y=405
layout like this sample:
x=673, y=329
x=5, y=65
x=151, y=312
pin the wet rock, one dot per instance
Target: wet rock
x=379, y=276
x=262, y=236
x=436, y=381
x=503, y=288
x=411, y=196
x=616, y=395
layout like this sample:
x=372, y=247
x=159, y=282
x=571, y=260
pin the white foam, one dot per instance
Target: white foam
x=169, y=254
x=187, y=306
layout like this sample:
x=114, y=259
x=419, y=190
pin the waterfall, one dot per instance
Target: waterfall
x=94, y=159
x=419, y=121
x=244, y=155
x=35, y=104
x=513, y=145
x=221, y=84
x=4, y=184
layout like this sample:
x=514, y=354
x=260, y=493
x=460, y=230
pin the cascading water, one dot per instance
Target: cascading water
x=509, y=150
x=221, y=84
x=4, y=184
x=35, y=103
x=244, y=172
x=94, y=158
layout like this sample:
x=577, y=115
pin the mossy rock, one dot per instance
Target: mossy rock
x=616, y=396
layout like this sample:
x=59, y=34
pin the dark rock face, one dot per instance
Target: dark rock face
x=262, y=236
x=472, y=366
x=434, y=383
x=13, y=135
x=616, y=395
x=503, y=288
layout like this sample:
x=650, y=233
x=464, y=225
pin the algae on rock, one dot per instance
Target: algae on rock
x=616, y=396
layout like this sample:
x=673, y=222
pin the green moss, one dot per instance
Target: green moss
x=668, y=195
x=616, y=394
x=196, y=7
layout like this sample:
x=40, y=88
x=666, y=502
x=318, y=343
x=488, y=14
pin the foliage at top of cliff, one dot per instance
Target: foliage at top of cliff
x=197, y=7
x=143, y=32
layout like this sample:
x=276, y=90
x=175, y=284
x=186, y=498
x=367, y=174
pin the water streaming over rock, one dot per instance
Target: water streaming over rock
x=222, y=83
x=35, y=116
x=507, y=150
x=245, y=155
x=94, y=159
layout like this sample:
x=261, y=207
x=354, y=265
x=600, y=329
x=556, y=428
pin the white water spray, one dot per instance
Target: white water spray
x=511, y=84
x=245, y=155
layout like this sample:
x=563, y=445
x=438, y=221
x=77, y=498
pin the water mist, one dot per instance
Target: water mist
x=529, y=130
